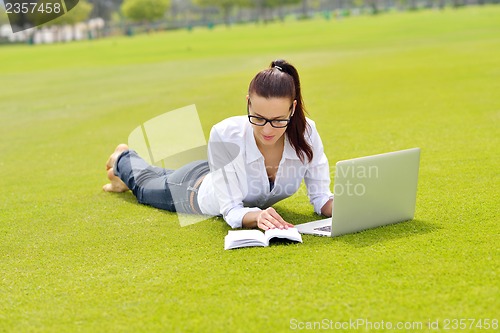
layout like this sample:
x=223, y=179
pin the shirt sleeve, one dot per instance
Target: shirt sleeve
x=229, y=178
x=317, y=176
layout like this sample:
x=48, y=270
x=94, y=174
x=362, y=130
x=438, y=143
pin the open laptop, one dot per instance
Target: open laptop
x=370, y=192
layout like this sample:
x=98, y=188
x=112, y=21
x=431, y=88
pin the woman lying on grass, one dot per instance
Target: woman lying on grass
x=253, y=162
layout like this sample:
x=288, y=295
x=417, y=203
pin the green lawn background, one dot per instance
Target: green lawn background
x=76, y=259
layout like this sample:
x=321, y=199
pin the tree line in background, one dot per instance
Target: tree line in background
x=193, y=12
x=170, y=14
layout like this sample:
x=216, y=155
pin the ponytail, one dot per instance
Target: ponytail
x=282, y=80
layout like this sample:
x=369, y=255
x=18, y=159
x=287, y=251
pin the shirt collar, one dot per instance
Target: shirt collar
x=253, y=153
x=289, y=152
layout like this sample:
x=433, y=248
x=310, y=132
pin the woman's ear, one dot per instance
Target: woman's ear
x=294, y=105
x=247, y=98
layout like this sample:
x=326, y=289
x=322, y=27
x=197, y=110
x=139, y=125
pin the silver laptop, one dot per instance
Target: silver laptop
x=370, y=192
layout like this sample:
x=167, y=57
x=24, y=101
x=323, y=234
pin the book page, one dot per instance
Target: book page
x=242, y=238
x=246, y=234
x=290, y=233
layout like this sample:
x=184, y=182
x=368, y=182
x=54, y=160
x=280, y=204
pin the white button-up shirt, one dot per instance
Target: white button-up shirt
x=238, y=181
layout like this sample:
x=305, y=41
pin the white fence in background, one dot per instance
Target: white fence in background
x=54, y=34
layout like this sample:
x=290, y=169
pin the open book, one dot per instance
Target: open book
x=244, y=238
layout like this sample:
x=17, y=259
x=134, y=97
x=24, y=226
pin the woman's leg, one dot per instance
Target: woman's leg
x=165, y=189
x=184, y=184
x=147, y=182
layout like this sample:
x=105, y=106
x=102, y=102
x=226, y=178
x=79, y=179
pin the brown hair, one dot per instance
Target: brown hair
x=281, y=79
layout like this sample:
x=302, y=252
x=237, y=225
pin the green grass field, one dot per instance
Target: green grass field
x=73, y=258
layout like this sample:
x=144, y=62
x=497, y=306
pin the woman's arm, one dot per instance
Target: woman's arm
x=228, y=173
x=317, y=177
x=326, y=210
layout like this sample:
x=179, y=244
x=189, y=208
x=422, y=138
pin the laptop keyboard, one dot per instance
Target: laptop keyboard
x=327, y=228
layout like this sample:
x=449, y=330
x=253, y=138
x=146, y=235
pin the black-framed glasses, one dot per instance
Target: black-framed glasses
x=261, y=121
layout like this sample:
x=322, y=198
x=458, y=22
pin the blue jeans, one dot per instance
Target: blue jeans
x=172, y=190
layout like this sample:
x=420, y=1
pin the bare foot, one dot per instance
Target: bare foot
x=112, y=158
x=116, y=184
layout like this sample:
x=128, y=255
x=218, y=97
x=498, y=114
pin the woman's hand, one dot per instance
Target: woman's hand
x=270, y=219
x=326, y=210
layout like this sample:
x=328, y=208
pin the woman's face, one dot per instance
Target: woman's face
x=269, y=109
